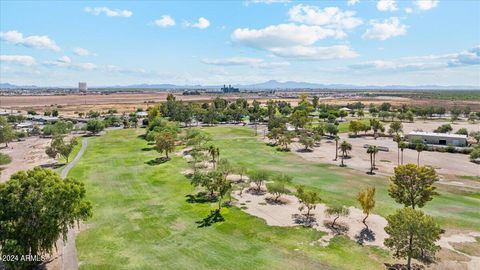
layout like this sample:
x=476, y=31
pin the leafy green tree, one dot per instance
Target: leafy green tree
x=462, y=131
x=306, y=141
x=445, y=128
x=165, y=142
x=412, y=235
x=59, y=147
x=412, y=185
x=355, y=126
x=36, y=208
x=214, y=153
x=331, y=129
x=337, y=212
x=274, y=134
x=95, y=126
x=225, y=167
x=376, y=126
x=366, y=198
x=475, y=154
x=285, y=140
x=315, y=102
x=395, y=127
x=299, y=118
x=6, y=131
x=344, y=147
x=278, y=186
x=309, y=200
x=223, y=187
x=258, y=178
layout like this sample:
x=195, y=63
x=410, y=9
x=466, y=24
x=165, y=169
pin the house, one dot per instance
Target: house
x=437, y=138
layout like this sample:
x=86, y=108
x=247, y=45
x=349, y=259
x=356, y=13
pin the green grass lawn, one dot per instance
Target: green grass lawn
x=142, y=220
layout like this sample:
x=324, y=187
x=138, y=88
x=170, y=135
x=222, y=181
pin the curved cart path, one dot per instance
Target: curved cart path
x=68, y=256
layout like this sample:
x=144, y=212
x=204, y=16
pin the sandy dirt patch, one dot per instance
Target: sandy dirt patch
x=25, y=155
x=444, y=163
x=284, y=215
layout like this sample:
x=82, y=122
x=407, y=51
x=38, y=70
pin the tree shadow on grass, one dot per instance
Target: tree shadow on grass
x=157, y=161
x=52, y=166
x=148, y=148
x=201, y=197
x=303, y=150
x=142, y=136
x=213, y=217
x=365, y=235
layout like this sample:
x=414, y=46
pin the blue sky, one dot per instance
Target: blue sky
x=386, y=42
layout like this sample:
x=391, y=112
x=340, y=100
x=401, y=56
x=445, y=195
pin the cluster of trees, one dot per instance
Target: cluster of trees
x=7, y=134
x=36, y=208
x=412, y=233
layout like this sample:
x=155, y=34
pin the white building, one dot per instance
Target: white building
x=82, y=86
x=438, y=138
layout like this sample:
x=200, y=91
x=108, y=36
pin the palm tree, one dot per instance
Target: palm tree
x=336, y=147
x=398, y=139
x=344, y=147
x=215, y=153
x=419, y=147
x=402, y=146
x=375, y=151
x=370, y=151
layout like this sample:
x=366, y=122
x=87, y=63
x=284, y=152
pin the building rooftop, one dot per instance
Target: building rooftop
x=433, y=134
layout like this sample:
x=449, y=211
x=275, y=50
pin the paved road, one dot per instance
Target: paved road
x=68, y=254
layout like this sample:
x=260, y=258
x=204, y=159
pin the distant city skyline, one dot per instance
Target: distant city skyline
x=358, y=42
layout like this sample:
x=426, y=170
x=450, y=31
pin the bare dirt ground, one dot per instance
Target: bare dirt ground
x=25, y=155
x=285, y=215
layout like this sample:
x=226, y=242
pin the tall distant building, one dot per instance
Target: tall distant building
x=229, y=89
x=82, y=86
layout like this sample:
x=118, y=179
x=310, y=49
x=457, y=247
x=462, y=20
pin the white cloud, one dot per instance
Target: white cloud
x=268, y=2
x=387, y=5
x=202, y=23
x=82, y=52
x=426, y=4
x=233, y=61
x=165, y=21
x=408, y=10
x=352, y=2
x=330, y=17
x=315, y=53
x=19, y=59
x=17, y=38
x=109, y=12
x=283, y=35
x=245, y=61
x=386, y=29
x=66, y=62
x=65, y=59
x=428, y=62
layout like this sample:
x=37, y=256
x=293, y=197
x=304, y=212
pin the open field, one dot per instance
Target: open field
x=143, y=221
x=69, y=104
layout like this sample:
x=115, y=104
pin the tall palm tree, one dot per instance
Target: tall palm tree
x=419, y=147
x=336, y=147
x=402, y=146
x=370, y=151
x=375, y=151
x=398, y=139
x=344, y=147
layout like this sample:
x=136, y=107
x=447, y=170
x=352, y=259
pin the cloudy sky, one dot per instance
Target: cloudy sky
x=408, y=42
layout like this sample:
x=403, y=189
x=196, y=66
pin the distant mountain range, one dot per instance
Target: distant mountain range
x=272, y=84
